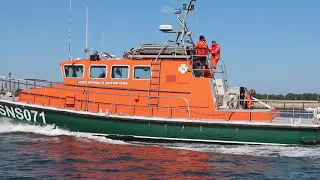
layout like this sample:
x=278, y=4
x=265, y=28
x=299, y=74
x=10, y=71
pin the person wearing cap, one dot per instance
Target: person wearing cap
x=215, y=54
x=201, y=47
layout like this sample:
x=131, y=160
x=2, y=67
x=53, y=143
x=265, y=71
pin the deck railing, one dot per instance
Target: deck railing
x=296, y=111
x=14, y=84
x=135, y=52
x=292, y=109
x=221, y=71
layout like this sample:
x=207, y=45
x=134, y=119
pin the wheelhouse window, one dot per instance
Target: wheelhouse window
x=73, y=71
x=141, y=72
x=98, y=71
x=120, y=72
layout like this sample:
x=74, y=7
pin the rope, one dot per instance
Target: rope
x=235, y=133
x=188, y=135
x=217, y=133
x=193, y=135
x=182, y=130
x=152, y=130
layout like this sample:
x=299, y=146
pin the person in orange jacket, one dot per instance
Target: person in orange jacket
x=249, y=99
x=201, y=47
x=215, y=54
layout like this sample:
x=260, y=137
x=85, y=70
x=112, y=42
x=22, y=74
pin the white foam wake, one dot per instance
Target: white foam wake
x=255, y=150
x=8, y=126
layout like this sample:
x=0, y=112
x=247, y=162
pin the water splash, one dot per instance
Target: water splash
x=9, y=126
x=258, y=150
x=249, y=150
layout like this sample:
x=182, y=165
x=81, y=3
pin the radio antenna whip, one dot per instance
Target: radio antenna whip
x=70, y=30
x=86, y=50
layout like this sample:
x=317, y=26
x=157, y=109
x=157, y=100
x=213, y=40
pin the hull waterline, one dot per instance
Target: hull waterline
x=161, y=129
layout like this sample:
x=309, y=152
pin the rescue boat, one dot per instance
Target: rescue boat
x=154, y=92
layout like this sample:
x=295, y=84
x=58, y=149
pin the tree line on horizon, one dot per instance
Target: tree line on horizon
x=289, y=96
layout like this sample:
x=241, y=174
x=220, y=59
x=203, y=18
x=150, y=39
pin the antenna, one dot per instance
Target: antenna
x=86, y=50
x=101, y=42
x=182, y=34
x=70, y=31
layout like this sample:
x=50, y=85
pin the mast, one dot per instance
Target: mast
x=101, y=43
x=70, y=30
x=86, y=50
x=183, y=30
x=182, y=35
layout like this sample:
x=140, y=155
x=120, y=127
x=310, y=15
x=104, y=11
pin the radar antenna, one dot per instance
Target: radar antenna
x=182, y=35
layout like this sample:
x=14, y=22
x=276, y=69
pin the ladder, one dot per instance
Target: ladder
x=224, y=79
x=224, y=73
x=154, y=82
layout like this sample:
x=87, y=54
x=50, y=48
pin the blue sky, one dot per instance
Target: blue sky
x=272, y=45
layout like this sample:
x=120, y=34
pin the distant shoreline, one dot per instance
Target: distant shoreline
x=289, y=96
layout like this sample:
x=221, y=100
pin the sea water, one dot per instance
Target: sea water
x=35, y=152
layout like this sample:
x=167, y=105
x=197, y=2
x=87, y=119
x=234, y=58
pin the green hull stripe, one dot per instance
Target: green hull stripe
x=156, y=129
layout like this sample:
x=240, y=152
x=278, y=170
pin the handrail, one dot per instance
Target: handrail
x=32, y=80
x=13, y=84
x=292, y=102
x=162, y=45
x=118, y=104
x=51, y=83
x=45, y=95
x=99, y=92
x=87, y=86
x=293, y=112
x=295, y=101
x=215, y=72
x=224, y=72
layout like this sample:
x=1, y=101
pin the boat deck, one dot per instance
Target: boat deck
x=277, y=122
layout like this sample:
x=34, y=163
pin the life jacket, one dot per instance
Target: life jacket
x=207, y=74
x=202, y=48
x=249, y=104
x=215, y=50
